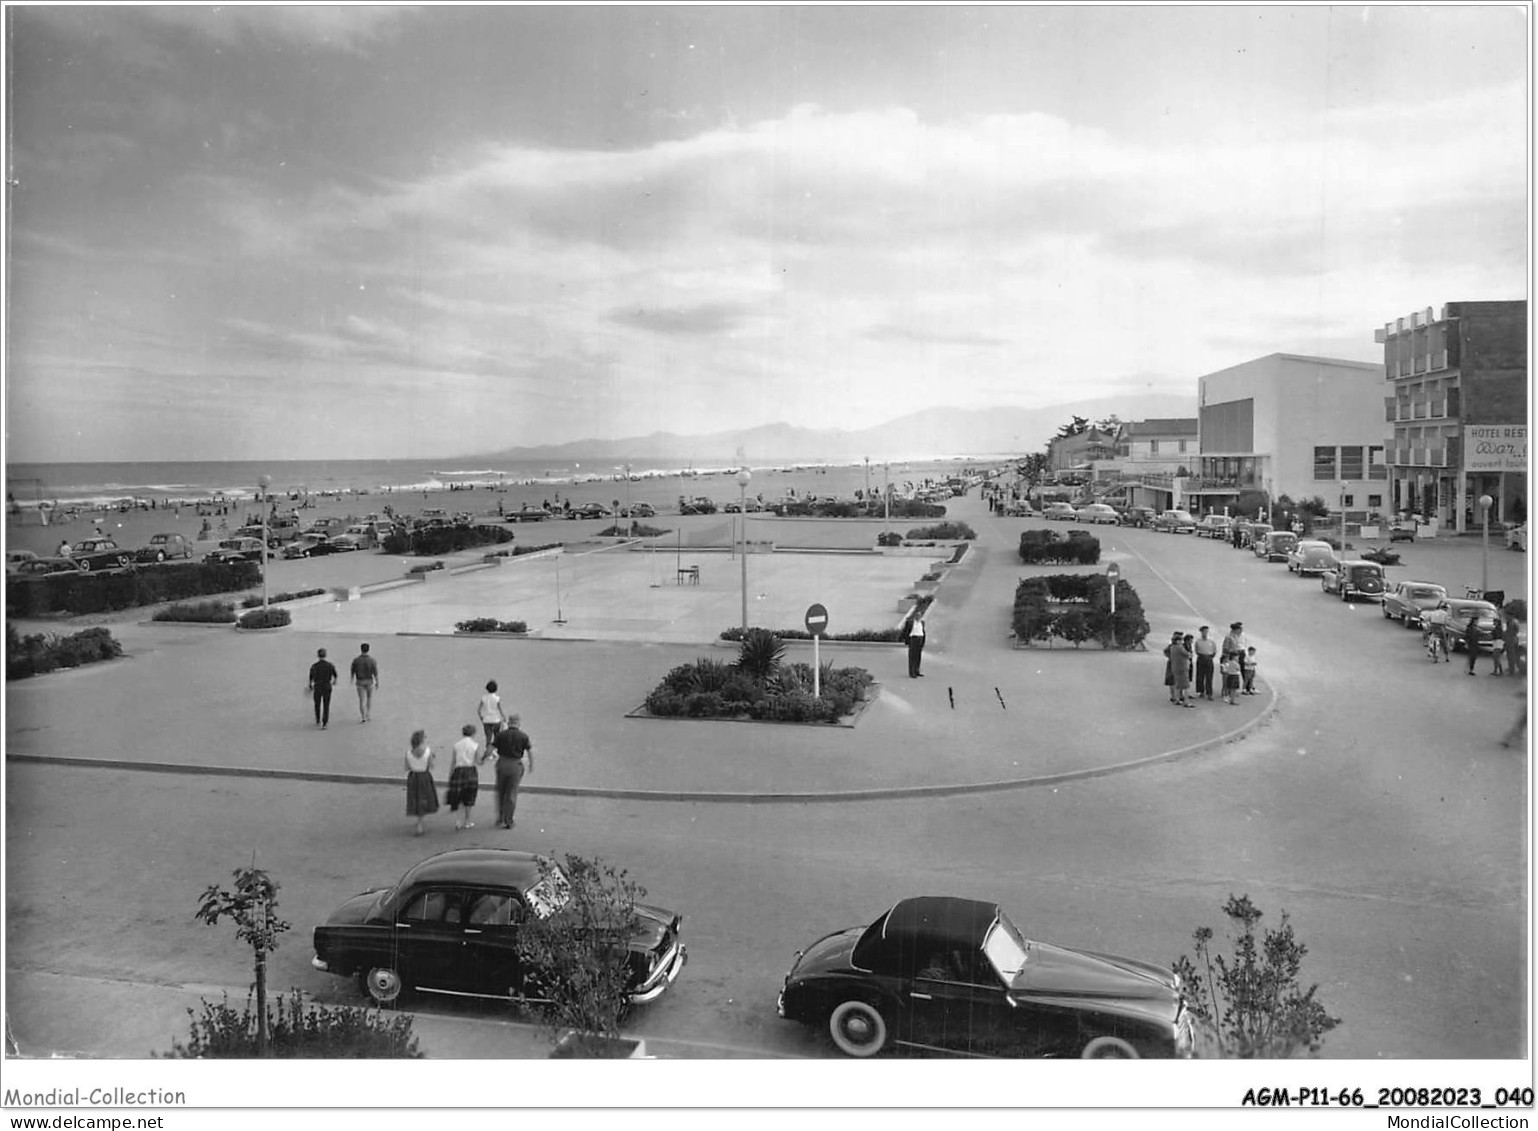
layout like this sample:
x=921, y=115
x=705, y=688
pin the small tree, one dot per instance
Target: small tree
x=1251, y=1005
x=760, y=653
x=578, y=944
x=254, y=907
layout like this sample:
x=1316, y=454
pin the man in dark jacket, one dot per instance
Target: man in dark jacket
x=513, y=748
x=322, y=675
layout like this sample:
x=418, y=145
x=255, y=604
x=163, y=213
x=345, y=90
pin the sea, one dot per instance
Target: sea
x=88, y=485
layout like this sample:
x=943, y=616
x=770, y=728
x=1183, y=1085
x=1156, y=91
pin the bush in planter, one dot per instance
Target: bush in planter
x=202, y=612
x=944, y=532
x=255, y=600
x=891, y=538
x=760, y=653
x=1089, y=618
x=491, y=624
x=1043, y=547
x=36, y=653
x=863, y=635
x=664, y=702
x=297, y=1031
x=125, y=589
x=265, y=618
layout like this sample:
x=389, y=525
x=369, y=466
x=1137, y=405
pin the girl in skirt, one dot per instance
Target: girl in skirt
x=421, y=790
x=464, y=778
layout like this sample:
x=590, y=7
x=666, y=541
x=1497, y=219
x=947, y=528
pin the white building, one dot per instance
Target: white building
x=1291, y=425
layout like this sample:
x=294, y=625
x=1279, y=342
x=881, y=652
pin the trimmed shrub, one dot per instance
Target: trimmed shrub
x=265, y=618
x=125, y=589
x=944, y=532
x=1087, y=615
x=255, y=599
x=1048, y=547
x=623, y=530
x=891, y=538
x=863, y=635
x=491, y=624
x=37, y=653
x=710, y=688
x=297, y=1031
x=434, y=540
x=201, y=612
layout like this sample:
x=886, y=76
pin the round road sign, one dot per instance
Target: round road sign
x=1113, y=571
x=816, y=620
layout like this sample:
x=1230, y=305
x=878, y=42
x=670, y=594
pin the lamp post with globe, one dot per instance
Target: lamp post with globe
x=744, y=477
x=262, y=484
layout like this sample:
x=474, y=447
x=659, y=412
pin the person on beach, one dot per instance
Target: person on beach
x=464, y=777
x=512, y=747
x=1206, y=662
x=916, y=636
x=365, y=677
x=421, y=790
x=323, y=675
x=490, y=711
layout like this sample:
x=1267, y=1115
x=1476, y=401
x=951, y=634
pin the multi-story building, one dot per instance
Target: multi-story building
x=1459, y=412
x=1081, y=451
x=1291, y=425
x=1149, y=455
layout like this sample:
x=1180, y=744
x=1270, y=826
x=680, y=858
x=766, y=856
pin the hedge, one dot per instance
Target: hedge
x=944, y=532
x=1043, y=547
x=433, y=540
x=77, y=593
x=491, y=624
x=270, y=617
x=296, y=1031
x=198, y=612
x=33, y=654
x=1087, y=615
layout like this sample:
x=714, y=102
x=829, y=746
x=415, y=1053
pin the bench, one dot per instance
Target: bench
x=688, y=573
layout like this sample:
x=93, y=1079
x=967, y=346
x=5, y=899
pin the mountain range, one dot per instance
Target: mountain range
x=928, y=434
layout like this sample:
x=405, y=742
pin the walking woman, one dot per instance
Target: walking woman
x=421, y=790
x=464, y=778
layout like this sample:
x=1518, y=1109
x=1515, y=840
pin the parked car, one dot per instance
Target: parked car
x=638, y=510
x=1349, y=579
x=1138, y=516
x=1409, y=601
x=1310, y=556
x=1060, y=512
x=1275, y=545
x=451, y=925
x=163, y=546
x=1097, y=513
x=36, y=566
x=1460, y=612
x=588, y=510
x=1252, y=532
x=99, y=553
x=697, y=505
x=347, y=543
x=527, y=513
x=328, y=526
x=237, y=550
x=1516, y=537
x=1175, y=522
x=15, y=558
x=1213, y=526
x=1018, y=508
x=1403, y=529
x=941, y=973
x=305, y=546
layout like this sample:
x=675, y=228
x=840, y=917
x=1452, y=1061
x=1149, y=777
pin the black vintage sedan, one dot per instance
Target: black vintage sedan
x=451, y=926
x=942, y=974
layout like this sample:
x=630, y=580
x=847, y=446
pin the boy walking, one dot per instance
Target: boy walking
x=365, y=676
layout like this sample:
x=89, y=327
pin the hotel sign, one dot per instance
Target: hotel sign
x=1495, y=447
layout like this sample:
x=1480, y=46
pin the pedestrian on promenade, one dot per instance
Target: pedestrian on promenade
x=1180, y=670
x=1472, y=635
x=1206, y=662
x=421, y=790
x=513, y=747
x=365, y=677
x=1249, y=671
x=464, y=778
x=1230, y=670
x=490, y=711
x=323, y=674
x=916, y=636
x=1235, y=643
x=1189, y=642
x=1169, y=665
x=1511, y=642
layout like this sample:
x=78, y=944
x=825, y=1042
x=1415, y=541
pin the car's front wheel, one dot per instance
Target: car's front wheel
x=1109, y=1048
x=857, y=1028
x=382, y=984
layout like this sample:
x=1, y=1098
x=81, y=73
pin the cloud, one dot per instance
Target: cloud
x=336, y=27
x=706, y=318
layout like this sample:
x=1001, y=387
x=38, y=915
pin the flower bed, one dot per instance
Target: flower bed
x=491, y=624
x=1076, y=608
x=759, y=685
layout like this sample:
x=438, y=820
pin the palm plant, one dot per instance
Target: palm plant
x=759, y=654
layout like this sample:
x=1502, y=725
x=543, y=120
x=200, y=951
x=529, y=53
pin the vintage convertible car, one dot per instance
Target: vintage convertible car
x=943, y=974
x=451, y=926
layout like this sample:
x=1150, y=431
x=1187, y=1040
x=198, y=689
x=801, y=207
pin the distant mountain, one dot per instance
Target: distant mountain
x=933, y=432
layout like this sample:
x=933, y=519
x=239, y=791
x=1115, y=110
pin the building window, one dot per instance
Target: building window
x=1347, y=502
x=1351, y=462
x=1153, y=447
x=1182, y=447
x=1374, y=502
x=1324, y=463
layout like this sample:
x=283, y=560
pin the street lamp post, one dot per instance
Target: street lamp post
x=1484, y=561
x=744, y=477
x=629, y=506
x=886, y=523
x=1342, y=518
x=262, y=483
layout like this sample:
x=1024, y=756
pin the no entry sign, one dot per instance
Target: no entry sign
x=816, y=620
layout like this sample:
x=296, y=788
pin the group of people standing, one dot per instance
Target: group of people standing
x=506, y=746
x=1199, y=659
x=364, y=673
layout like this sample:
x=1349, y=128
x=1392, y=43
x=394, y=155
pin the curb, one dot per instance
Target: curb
x=900, y=793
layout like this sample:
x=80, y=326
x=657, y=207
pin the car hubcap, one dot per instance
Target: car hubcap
x=383, y=985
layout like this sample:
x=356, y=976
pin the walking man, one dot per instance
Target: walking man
x=916, y=635
x=323, y=674
x=513, y=748
x=1206, y=661
x=365, y=677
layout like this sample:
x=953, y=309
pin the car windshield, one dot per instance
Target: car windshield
x=1422, y=591
x=1005, y=949
x=552, y=893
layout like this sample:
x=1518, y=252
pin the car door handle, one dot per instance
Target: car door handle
x=922, y=997
x=471, y=931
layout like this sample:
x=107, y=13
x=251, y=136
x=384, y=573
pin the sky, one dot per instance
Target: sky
x=309, y=232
